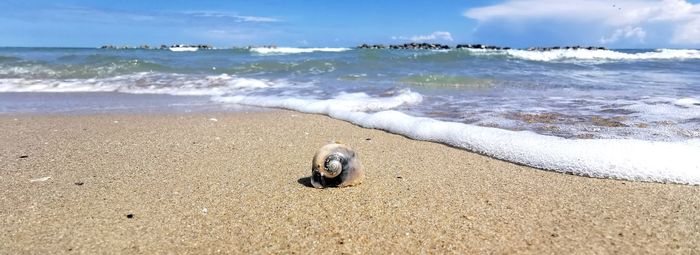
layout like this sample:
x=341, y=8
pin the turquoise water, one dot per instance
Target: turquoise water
x=645, y=94
x=603, y=113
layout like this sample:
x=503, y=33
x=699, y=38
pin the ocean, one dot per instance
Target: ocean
x=630, y=114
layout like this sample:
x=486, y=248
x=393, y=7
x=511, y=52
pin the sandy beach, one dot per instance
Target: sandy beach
x=238, y=183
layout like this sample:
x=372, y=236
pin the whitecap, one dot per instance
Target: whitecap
x=585, y=54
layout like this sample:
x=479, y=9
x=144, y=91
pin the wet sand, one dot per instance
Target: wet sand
x=238, y=183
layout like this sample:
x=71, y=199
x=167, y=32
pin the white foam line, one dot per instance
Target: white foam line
x=584, y=54
x=182, y=85
x=628, y=159
x=605, y=158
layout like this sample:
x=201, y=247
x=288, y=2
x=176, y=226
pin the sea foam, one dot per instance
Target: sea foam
x=344, y=102
x=604, y=55
x=144, y=83
x=628, y=159
x=584, y=54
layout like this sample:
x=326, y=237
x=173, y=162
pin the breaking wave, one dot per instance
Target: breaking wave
x=584, y=54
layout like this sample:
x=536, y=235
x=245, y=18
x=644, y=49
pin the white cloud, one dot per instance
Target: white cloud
x=236, y=17
x=437, y=35
x=688, y=33
x=92, y=14
x=257, y=19
x=111, y=16
x=679, y=16
x=223, y=34
x=628, y=32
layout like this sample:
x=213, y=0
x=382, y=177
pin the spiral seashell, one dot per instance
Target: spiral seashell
x=335, y=165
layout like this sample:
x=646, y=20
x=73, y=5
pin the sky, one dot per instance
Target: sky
x=325, y=23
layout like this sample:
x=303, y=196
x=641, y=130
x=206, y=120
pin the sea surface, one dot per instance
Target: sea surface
x=625, y=114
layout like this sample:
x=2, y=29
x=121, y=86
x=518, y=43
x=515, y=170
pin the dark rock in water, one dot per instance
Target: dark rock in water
x=548, y=118
x=162, y=47
x=565, y=48
x=608, y=122
x=437, y=46
x=413, y=45
x=617, y=111
x=480, y=46
x=367, y=46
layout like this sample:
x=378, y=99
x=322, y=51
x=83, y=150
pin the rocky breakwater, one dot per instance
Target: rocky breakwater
x=566, y=48
x=491, y=47
x=162, y=47
x=407, y=46
x=437, y=46
x=113, y=47
x=481, y=46
x=198, y=46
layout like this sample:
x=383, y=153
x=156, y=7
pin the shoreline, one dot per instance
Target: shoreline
x=93, y=103
x=217, y=181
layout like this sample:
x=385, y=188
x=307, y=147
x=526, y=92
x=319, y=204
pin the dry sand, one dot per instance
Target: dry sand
x=238, y=184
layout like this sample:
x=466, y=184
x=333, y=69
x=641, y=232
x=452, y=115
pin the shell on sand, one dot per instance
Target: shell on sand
x=336, y=165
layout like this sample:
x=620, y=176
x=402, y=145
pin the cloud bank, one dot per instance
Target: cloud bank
x=129, y=26
x=233, y=16
x=610, y=21
x=637, y=33
x=437, y=35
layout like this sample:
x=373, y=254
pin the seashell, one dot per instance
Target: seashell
x=336, y=165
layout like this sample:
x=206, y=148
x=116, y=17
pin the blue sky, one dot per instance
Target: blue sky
x=313, y=23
